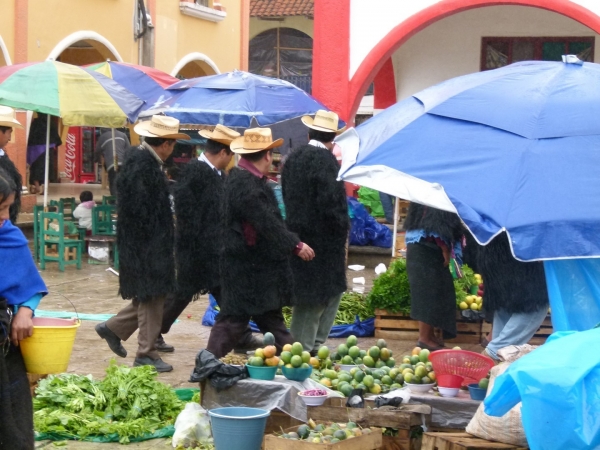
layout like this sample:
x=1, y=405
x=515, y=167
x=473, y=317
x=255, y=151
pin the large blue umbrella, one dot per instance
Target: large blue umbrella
x=515, y=149
x=235, y=98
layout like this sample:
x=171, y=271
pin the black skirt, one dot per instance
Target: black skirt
x=16, y=408
x=433, y=300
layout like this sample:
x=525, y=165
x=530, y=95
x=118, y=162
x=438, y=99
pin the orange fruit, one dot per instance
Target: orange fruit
x=272, y=361
x=416, y=351
x=269, y=351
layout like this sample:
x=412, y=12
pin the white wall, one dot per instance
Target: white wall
x=452, y=46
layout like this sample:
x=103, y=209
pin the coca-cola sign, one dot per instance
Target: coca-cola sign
x=71, y=154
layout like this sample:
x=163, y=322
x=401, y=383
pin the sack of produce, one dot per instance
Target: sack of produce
x=192, y=427
x=508, y=428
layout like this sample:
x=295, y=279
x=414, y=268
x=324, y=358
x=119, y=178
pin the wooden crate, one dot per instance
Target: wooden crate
x=371, y=441
x=461, y=441
x=279, y=420
x=402, y=327
x=538, y=338
x=334, y=410
x=399, y=443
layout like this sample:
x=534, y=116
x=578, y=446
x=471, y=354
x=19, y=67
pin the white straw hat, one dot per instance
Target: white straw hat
x=160, y=127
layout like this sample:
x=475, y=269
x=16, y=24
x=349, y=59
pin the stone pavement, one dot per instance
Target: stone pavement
x=93, y=290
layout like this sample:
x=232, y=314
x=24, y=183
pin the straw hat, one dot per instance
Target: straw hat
x=255, y=140
x=220, y=134
x=161, y=127
x=8, y=118
x=327, y=121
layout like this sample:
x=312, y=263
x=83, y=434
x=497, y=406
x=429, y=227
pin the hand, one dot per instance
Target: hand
x=22, y=325
x=446, y=253
x=306, y=253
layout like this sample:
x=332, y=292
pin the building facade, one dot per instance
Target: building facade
x=186, y=38
x=406, y=46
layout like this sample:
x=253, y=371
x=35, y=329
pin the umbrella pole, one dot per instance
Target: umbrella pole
x=396, y=214
x=47, y=169
x=115, y=162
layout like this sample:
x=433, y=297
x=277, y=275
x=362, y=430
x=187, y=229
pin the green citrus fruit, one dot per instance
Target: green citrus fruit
x=286, y=357
x=297, y=349
x=342, y=350
x=296, y=361
x=374, y=352
x=354, y=352
x=381, y=343
x=323, y=352
x=351, y=341
x=368, y=361
x=305, y=357
x=368, y=381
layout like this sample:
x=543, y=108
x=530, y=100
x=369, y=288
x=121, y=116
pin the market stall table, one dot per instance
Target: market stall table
x=452, y=413
x=280, y=396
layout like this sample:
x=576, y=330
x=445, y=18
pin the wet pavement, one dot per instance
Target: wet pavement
x=93, y=290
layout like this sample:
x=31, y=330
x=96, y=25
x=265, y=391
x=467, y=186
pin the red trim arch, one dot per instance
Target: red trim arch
x=370, y=66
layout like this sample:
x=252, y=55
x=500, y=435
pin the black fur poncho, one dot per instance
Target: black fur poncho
x=11, y=171
x=198, y=198
x=145, y=231
x=316, y=210
x=255, y=278
x=515, y=286
x=445, y=224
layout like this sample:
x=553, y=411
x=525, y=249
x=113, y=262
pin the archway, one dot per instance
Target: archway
x=84, y=47
x=4, y=55
x=195, y=65
x=376, y=58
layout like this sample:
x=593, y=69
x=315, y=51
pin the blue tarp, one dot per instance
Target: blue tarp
x=559, y=387
x=574, y=291
x=365, y=230
x=359, y=328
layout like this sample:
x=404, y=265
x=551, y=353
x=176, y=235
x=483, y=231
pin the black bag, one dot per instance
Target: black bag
x=222, y=376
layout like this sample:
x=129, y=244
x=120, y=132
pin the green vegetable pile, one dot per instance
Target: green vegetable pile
x=352, y=304
x=129, y=402
x=391, y=290
x=462, y=286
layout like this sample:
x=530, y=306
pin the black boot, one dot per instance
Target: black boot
x=162, y=346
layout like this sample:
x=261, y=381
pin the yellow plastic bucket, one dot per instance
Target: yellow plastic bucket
x=49, y=348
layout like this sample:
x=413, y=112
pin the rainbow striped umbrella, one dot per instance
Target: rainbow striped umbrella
x=78, y=96
x=147, y=83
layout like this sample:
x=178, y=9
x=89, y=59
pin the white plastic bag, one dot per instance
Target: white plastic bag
x=192, y=427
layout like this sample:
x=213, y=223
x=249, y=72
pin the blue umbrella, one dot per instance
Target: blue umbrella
x=235, y=98
x=488, y=147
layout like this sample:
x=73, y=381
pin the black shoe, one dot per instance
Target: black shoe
x=162, y=346
x=249, y=346
x=158, y=364
x=112, y=339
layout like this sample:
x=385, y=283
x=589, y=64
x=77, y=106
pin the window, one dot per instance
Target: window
x=283, y=53
x=500, y=51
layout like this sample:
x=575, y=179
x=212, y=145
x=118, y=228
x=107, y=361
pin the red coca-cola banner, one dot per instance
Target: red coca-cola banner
x=71, y=146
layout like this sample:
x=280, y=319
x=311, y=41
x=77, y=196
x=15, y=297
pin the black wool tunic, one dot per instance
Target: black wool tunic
x=145, y=230
x=316, y=210
x=198, y=197
x=255, y=274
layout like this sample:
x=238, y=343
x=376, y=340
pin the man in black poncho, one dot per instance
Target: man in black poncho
x=145, y=236
x=198, y=198
x=316, y=210
x=8, y=121
x=516, y=293
x=255, y=262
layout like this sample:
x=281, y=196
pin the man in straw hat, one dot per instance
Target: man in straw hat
x=198, y=198
x=317, y=212
x=255, y=263
x=8, y=121
x=145, y=236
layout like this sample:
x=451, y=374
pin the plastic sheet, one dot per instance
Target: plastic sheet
x=560, y=380
x=574, y=292
x=370, y=198
x=280, y=393
x=365, y=229
x=454, y=412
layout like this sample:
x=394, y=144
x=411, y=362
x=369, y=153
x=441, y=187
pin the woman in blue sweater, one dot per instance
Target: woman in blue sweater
x=21, y=289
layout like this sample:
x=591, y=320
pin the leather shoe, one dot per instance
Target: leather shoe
x=249, y=346
x=112, y=339
x=162, y=346
x=158, y=364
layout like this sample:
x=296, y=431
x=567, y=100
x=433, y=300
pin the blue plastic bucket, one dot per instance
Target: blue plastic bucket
x=238, y=428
